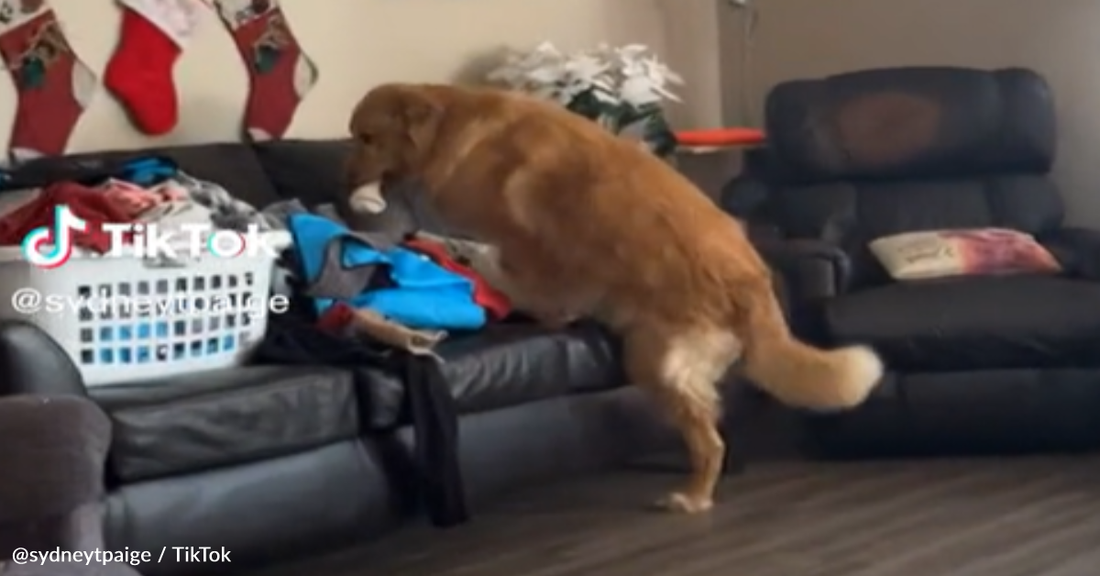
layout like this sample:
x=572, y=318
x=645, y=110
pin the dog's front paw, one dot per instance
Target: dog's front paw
x=682, y=503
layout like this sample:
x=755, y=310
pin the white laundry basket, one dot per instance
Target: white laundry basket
x=122, y=319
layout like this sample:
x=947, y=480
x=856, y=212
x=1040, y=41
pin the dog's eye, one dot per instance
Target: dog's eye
x=366, y=139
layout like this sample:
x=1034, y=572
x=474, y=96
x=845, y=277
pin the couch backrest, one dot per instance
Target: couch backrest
x=313, y=171
x=862, y=155
x=234, y=166
x=260, y=174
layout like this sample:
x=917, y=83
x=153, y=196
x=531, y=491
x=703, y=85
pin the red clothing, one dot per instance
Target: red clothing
x=89, y=204
x=336, y=318
x=495, y=303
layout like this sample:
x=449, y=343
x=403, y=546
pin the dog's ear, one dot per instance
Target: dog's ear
x=421, y=111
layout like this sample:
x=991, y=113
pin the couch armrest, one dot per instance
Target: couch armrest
x=32, y=363
x=1077, y=250
x=52, y=452
x=811, y=269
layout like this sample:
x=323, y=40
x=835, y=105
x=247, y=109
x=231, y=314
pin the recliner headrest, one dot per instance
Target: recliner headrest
x=910, y=123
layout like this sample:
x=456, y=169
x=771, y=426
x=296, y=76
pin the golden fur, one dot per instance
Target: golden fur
x=587, y=224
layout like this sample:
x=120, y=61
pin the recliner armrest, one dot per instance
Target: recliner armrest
x=1077, y=250
x=811, y=269
x=33, y=363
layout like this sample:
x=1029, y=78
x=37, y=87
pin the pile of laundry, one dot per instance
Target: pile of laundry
x=152, y=190
x=408, y=292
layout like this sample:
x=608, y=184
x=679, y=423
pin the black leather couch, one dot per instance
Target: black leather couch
x=976, y=365
x=274, y=461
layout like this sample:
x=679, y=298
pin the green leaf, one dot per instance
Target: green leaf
x=647, y=123
x=661, y=139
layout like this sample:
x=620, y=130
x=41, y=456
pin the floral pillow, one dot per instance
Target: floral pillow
x=969, y=252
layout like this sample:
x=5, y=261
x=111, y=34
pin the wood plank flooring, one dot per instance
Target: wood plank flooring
x=1025, y=517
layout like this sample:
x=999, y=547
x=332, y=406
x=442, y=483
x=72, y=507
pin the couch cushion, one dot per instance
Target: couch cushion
x=225, y=417
x=974, y=323
x=506, y=365
x=515, y=363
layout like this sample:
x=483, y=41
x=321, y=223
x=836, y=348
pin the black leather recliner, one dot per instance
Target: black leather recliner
x=976, y=364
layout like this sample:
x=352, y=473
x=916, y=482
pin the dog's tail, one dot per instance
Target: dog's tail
x=800, y=375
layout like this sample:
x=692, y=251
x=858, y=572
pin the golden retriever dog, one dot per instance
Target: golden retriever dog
x=588, y=224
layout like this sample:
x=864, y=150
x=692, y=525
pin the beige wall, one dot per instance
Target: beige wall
x=691, y=33
x=1059, y=38
x=356, y=43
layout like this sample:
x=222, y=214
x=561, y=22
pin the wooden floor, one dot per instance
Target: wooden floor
x=953, y=518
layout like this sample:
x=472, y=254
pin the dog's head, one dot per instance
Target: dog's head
x=392, y=127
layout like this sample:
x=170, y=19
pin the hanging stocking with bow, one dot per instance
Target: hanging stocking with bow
x=280, y=74
x=54, y=86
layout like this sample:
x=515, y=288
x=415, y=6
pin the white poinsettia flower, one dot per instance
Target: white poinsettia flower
x=631, y=67
x=586, y=66
x=570, y=90
x=658, y=69
x=638, y=91
x=547, y=48
x=506, y=74
x=607, y=97
x=629, y=75
x=547, y=75
x=606, y=85
x=666, y=94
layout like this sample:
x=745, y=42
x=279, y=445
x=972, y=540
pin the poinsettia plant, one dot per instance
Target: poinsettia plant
x=623, y=88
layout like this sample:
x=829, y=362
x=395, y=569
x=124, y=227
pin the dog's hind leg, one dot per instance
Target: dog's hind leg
x=682, y=369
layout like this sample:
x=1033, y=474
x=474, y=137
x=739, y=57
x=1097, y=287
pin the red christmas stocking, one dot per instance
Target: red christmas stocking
x=54, y=86
x=280, y=75
x=139, y=74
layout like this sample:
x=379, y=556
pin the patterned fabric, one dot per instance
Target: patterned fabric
x=225, y=210
x=53, y=85
x=139, y=200
x=971, y=252
x=280, y=73
x=176, y=18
